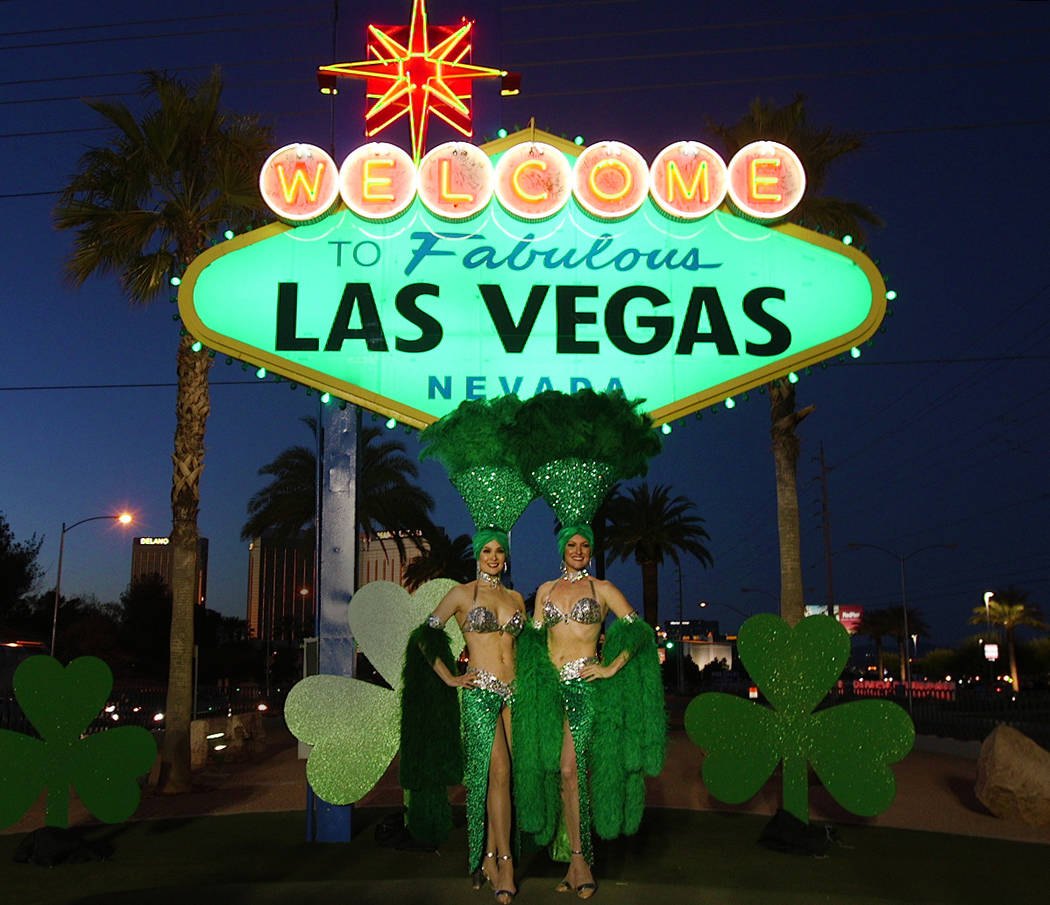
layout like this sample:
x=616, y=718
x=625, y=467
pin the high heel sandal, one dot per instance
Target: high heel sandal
x=583, y=890
x=507, y=894
x=479, y=878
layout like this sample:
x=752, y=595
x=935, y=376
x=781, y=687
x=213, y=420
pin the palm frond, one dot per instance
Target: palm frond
x=651, y=524
x=163, y=185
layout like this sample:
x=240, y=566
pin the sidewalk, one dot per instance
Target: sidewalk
x=934, y=792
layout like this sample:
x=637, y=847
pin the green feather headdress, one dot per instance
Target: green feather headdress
x=472, y=443
x=573, y=448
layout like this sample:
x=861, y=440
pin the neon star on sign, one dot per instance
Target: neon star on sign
x=416, y=70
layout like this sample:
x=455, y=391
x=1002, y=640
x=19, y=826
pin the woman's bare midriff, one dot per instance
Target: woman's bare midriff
x=492, y=652
x=568, y=641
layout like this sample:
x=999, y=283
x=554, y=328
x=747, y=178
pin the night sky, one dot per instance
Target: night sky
x=937, y=435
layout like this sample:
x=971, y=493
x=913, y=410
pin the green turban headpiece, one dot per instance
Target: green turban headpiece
x=484, y=535
x=570, y=531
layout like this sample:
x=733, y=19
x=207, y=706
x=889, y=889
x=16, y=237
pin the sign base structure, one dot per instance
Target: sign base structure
x=518, y=267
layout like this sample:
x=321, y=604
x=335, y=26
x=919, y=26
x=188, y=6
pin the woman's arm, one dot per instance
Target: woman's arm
x=617, y=604
x=451, y=679
x=449, y=607
x=542, y=593
x=613, y=598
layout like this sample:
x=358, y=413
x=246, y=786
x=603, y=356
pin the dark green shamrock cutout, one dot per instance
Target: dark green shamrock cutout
x=103, y=767
x=849, y=745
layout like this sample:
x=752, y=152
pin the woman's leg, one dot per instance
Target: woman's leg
x=579, y=869
x=499, y=808
x=480, y=711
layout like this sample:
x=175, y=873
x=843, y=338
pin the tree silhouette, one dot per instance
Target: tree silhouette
x=818, y=149
x=914, y=625
x=145, y=617
x=1010, y=609
x=18, y=572
x=144, y=205
x=650, y=525
x=877, y=624
x=444, y=558
x=387, y=498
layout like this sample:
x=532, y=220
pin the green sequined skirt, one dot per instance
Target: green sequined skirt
x=480, y=710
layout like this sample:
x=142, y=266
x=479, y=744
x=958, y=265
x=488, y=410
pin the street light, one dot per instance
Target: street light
x=902, y=558
x=124, y=518
x=988, y=595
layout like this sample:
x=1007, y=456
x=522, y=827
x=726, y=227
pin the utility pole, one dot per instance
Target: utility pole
x=681, y=633
x=827, y=529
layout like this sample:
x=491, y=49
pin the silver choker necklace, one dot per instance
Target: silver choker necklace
x=573, y=577
x=493, y=580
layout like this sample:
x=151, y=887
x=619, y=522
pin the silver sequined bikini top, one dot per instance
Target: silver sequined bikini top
x=586, y=611
x=482, y=619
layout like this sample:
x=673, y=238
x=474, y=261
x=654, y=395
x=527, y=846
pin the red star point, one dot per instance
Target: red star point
x=416, y=70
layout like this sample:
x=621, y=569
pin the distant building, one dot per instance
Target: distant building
x=281, y=580
x=152, y=555
x=280, y=589
x=849, y=615
x=700, y=640
x=378, y=559
x=693, y=629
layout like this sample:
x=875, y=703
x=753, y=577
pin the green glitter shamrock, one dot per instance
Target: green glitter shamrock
x=102, y=768
x=354, y=726
x=849, y=745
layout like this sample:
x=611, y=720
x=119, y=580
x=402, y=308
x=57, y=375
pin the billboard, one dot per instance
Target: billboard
x=527, y=264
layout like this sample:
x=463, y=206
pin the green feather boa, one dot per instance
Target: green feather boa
x=537, y=732
x=630, y=730
x=431, y=753
x=630, y=733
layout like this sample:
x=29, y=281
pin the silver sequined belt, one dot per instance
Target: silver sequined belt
x=572, y=669
x=489, y=682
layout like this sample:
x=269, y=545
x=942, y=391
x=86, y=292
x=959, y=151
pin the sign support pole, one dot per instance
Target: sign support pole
x=336, y=578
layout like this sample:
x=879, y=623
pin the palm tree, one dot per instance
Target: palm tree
x=285, y=508
x=144, y=206
x=877, y=624
x=649, y=525
x=915, y=625
x=817, y=149
x=386, y=497
x=1010, y=609
x=443, y=558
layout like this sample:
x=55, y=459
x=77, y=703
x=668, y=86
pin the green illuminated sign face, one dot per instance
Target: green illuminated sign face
x=413, y=315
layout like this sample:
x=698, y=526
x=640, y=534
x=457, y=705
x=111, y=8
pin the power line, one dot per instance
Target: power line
x=980, y=340
x=938, y=361
x=808, y=46
x=239, y=15
x=283, y=26
x=129, y=386
x=784, y=78
x=139, y=72
x=107, y=94
x=722, y=26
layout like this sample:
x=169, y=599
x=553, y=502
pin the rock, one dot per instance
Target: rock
x=243, y=737
x=199, y=730
x=1013, y=777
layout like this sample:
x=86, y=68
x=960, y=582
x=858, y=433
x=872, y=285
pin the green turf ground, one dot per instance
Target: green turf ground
x=679, y=857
